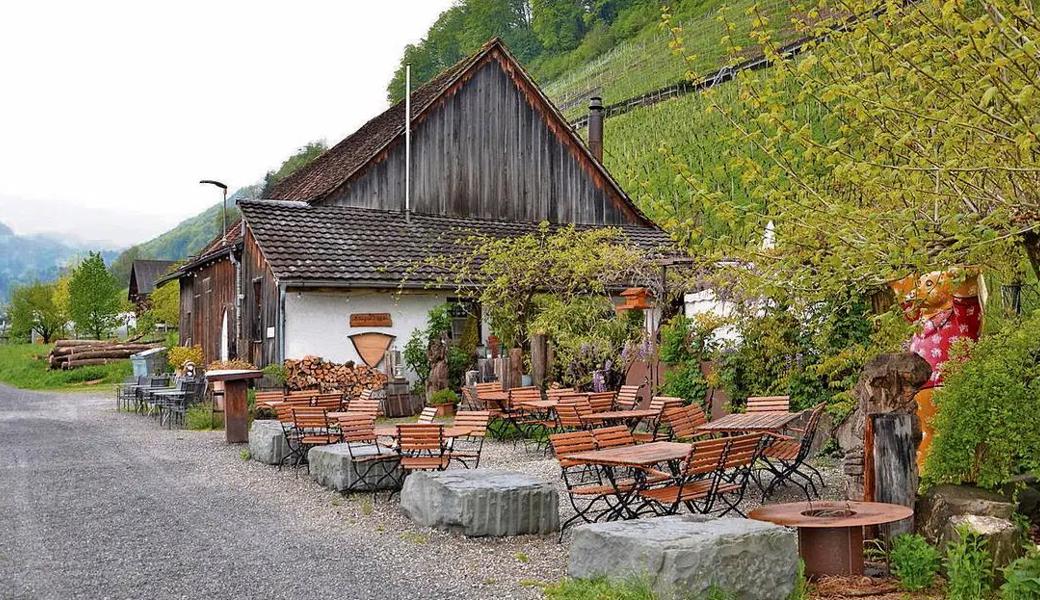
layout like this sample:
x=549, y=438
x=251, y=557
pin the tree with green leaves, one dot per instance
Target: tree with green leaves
x=301, y=158
x=559, y=25
x=35, y=309
x=94, y=297
x=903, y=140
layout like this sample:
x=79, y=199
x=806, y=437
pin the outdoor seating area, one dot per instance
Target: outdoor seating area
x=166, y=398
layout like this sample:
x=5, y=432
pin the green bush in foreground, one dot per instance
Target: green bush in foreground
x=1022, y=578
x=201, y=417
x=600, y=589
x=913, y=561
x=969, y=568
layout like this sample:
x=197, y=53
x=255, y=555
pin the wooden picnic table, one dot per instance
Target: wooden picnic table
x=749, y=422
x=539, y=404
x=640, y=455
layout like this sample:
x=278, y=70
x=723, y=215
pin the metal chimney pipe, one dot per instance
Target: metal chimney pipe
x=596, y=127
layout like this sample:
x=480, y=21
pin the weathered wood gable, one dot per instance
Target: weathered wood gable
x=491, y=147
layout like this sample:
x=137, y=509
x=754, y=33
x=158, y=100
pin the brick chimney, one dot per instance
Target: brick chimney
x=596, y=127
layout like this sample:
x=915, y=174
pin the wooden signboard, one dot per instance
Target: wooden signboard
x=372, y=346
x=371, y=320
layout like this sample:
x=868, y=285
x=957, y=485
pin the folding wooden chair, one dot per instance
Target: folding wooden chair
x=768, y=404
x=422, y=447
x=568, y=418
x=472, y=444
x=428, y=415
x=613, y=437
x=601, y=401
x=266, y=397
x=368, y=407
x=470, y=400
x=653, y=424
x=331, y=402
x=785, y=458
x=313, y=429
x=357, y=431
x=627, y=397
x=683, y=421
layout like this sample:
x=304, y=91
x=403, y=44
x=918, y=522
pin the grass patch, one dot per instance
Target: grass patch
x=366, y=506
x=201, y=417
x=415, y=537
x=245, y=455
x=600, y=589
x=522, y=557
x=25, y=366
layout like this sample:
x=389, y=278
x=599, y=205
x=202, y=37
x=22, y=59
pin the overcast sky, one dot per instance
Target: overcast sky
x=110, y=112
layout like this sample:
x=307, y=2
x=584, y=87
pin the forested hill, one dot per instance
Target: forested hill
x=28, y=258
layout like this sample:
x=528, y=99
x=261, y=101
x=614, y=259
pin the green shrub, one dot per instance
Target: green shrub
x=801, y=584
x=686, y=381
x=1022, y=578
x=986, y=430
x=969, y=568
x=913, y=561
x=201, y=417
x=443, y=397
x=276, y=373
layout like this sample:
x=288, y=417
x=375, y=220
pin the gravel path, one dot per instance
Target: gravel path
x=97, y=504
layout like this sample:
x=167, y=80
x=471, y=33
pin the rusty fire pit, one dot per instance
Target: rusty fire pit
x=830, y=534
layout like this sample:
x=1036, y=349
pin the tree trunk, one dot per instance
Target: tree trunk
x=1031, y=241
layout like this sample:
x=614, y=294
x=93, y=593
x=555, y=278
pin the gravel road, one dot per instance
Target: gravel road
x=97, y=504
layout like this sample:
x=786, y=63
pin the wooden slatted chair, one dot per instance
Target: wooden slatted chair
x=555, y=393
x=368, y=407
x=468, y=448
x=357, y=431
x=785, y=458
x=587, y=494
x=652, y=425
x=313, y=429
x=683, y=421
x=768, y=404
x=601, y=401
x=568, y=418
x=470, y=400
x=428, y=415
x=533, y=424
x=266, y=397
x=627, y=397
x=422, y=447
x=332, y=401
x=613, y=437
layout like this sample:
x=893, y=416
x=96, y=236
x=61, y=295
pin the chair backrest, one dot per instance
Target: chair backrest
x=476, y=420
x=428, y=414
x=524, y=394
x=366, y=394
x=707, y=456
x=368, y=407
x=601, y=401
x=569, y=443
x=681, y=421
x=568, y=416
x=613, y=437
x=743, y=450
x=660, y=403
x=332, y=401
x=357, y=428
x=580, y=401
x=420, y=438
x=303, y=393
x=628, y=397
x=554, y=393
x=809, y=431
x=310, y=417
x=284, y=412
x=768, y=404
x=270, y=396
x=489, y=387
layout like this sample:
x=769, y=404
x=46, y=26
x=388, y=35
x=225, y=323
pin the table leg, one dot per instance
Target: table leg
x=236, y=417
x=831, y=550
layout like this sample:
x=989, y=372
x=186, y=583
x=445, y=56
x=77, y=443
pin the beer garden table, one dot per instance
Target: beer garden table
x=749, y=422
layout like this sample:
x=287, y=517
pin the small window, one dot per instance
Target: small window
x=464, y=314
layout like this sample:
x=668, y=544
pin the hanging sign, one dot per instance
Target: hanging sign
x=371, y=320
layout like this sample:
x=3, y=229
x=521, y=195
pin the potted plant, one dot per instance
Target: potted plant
x=444, y=401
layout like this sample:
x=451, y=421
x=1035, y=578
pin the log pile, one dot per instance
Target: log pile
x=70, y=354
x=314, y=372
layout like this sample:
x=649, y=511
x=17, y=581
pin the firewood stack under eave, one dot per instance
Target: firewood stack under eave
x=69, y=354
x=312, y=372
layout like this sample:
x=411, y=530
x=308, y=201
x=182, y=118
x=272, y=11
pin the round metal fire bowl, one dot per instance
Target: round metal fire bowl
x=830, y=534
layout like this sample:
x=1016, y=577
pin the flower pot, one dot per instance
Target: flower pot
x=445, y=410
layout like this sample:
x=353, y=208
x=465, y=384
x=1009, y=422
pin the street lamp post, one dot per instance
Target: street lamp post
x=223, y=212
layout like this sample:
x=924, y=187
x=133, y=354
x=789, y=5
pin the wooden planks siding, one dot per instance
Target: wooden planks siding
x=205, y=294
x=259, y=312
x=486, y=152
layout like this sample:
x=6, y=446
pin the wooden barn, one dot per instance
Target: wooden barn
x=317, y=268
x=143, y=276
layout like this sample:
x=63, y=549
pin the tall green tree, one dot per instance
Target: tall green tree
x=301, y=158
x=94, y=298
x=559, y=24
x=34, y=308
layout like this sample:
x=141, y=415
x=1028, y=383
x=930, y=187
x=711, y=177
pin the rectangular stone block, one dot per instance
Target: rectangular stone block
x=331, y=467
x=684, y=556
x=267, y=442
x=481, y=502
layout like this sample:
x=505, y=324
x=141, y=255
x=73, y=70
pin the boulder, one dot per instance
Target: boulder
x=481, y=502
x=267, y=443
x=1003, y=539
x=684, y=556
x=331, y=467
x=942, y=503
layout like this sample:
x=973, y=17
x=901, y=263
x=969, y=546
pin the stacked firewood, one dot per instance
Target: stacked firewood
x=69, y=354
x=313, y=372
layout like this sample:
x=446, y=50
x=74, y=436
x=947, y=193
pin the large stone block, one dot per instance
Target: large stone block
x=332, y=467
x=267, y=443
x=684, y=556
x=942, y=503
x=1003, y=539
x=481, y=502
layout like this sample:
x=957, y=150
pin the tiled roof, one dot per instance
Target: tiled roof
x=358, y=246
